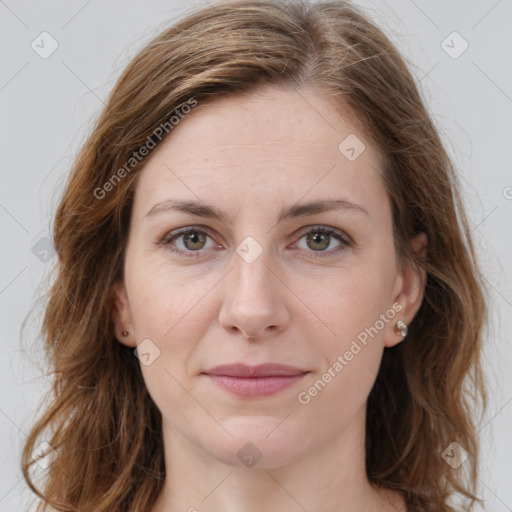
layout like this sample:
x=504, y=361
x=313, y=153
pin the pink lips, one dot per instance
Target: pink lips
x=255, y=381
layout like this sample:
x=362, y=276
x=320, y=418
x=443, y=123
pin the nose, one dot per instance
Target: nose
x=254, y=300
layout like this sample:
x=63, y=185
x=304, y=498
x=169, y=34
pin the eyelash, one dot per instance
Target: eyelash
x=345, y=242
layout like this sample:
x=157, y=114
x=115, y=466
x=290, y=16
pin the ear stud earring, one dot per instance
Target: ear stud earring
x=125, y=333
x=401, y=327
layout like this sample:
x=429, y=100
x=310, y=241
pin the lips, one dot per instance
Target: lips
x=255, y=381
x=262, y=370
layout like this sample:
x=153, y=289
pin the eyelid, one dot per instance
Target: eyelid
x=332, y=231
x=345, y=241
x=175, y=233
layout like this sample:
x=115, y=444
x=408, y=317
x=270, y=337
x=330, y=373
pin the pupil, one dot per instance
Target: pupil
x=193, y=238
x=320, y=238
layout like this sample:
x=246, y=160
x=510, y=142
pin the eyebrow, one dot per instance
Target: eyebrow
x=293, y=211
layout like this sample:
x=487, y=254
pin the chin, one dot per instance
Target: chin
x=256, y=444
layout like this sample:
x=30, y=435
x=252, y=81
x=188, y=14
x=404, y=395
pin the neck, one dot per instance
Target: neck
x=332, y=479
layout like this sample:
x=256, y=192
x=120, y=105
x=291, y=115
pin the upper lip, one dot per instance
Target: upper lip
x=261, y=370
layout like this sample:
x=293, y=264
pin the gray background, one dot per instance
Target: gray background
x=47, y=105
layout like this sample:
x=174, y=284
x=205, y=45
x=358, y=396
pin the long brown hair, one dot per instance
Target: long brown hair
x=100, y=420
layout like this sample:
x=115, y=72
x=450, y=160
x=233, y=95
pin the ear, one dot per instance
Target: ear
x=122, y=315
x=409, y=291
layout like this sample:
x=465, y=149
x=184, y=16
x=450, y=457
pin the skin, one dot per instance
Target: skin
x=252, y=155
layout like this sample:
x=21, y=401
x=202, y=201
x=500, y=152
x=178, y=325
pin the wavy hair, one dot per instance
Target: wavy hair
x=100, y=418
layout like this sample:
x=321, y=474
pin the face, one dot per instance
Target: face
x=266, y=280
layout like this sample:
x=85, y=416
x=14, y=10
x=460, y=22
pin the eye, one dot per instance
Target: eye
x=319, y=238
x=189, y=240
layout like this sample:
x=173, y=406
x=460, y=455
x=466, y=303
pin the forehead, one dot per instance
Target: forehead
x=268, y=144
x=269, y=117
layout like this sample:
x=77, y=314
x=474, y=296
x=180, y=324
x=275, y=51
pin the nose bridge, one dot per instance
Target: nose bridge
x=253, y=303
x=252, y=280
x=251, y=261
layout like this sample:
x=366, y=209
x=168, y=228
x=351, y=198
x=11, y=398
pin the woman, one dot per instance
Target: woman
x=267, y=295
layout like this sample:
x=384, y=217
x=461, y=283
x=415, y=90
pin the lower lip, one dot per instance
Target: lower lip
x=256, y=386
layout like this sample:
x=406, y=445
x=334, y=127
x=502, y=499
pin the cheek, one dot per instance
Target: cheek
x=163, y=299
x=357, y=308
x=358, y=316
x=336, y=396
x=171, y=309
x=350, y=300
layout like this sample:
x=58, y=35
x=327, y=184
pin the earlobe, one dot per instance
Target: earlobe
x=411, y=292
x=121, y=315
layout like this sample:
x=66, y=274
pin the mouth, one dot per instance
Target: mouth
x=255, y=381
